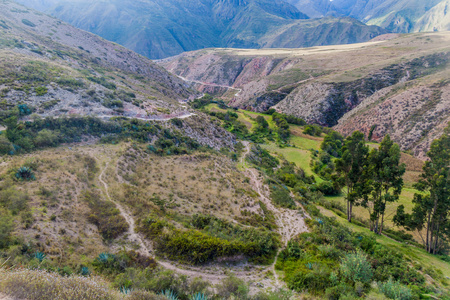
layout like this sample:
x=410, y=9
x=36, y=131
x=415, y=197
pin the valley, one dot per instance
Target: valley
x=221, y=173
x=348, y=86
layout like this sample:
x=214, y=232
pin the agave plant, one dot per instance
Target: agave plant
x=103, y=257
x=25, y=173
x=199, y=296
x=85, y=271
x=125, y=290
x=40, y=256
x=171, y=295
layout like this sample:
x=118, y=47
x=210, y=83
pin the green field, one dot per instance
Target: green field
x=412, y=252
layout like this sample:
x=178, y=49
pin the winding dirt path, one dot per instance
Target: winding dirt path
x=132, y=235
x=290, y=222
x=145, y=249
x=212, y=84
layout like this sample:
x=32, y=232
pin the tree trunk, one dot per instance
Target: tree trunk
x=351, y=211
x=382, y=223
x=428, y=232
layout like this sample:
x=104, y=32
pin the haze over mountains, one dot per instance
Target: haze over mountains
x=394, y=15
x=162, y=28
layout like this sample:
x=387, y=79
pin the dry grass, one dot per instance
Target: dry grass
x=38, y=285
x=181, y=185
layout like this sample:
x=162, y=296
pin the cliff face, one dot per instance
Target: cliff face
x=351, y=87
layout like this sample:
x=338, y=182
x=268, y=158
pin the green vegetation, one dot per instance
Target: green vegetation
x=335, y=262
x=28, y=23
x=210, y=239
x=431, y=210
x=104, y=214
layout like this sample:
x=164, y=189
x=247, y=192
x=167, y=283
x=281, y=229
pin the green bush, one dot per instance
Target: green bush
x=28, y=23
x=356, y=268
x=313, y=130
x=282, y=196
x=232, y=287
x=395, y=290
x=6, y=227
x=46, y=138
x=104, y=214
x=6, y=147
x=41, y=91
x=13, y=199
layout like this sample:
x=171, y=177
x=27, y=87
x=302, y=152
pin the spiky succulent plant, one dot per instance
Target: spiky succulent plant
x=199, y=296
x=25, y=173
x=171, y=295
x=39, y=256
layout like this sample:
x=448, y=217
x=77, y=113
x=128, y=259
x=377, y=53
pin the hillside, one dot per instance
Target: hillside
x=57, y=69
x=323, y=84
x=159, y=29
x=395, y=16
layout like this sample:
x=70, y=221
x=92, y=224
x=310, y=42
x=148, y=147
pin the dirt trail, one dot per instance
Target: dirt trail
x=212, y=84
x=132, y=235
x=5, y=297
x=145, y=249
x=290, y=222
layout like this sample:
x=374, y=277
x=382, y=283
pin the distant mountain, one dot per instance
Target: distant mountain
x=399, y=83
x=393, y=15
x=163, y=28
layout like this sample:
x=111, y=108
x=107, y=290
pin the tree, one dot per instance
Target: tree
x=431, y=210
x=350, y=169
x=332, y=143
x=262, y=122
x=384, y=174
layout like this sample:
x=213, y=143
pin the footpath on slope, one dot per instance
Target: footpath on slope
x=212, y=84
x=290, y=223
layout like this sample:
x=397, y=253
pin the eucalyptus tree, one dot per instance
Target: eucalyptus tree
x=350, y=170
x=384, y=176
x=430, y=215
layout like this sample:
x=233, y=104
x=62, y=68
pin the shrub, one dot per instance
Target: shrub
x=28, y=23
x=41, y=91
x=46, y=138
x=395, y=290
x=104, y=214
x=144, y=295
x=6, y=146
x=13, y=199
x=313, y=130
x=355, y=268
x=38, y=284
x=281, y=196
x=232, y=286
x=6, y=227
x=316, y=281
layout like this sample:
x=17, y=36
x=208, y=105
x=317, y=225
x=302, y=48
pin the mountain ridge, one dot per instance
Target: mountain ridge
x=160, y=29
x=325, y=84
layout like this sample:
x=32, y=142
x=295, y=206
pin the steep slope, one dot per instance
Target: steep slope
x=161, y=28
x=57, y=69
x=394, y=15
x=436, y=19
x=322, y=84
